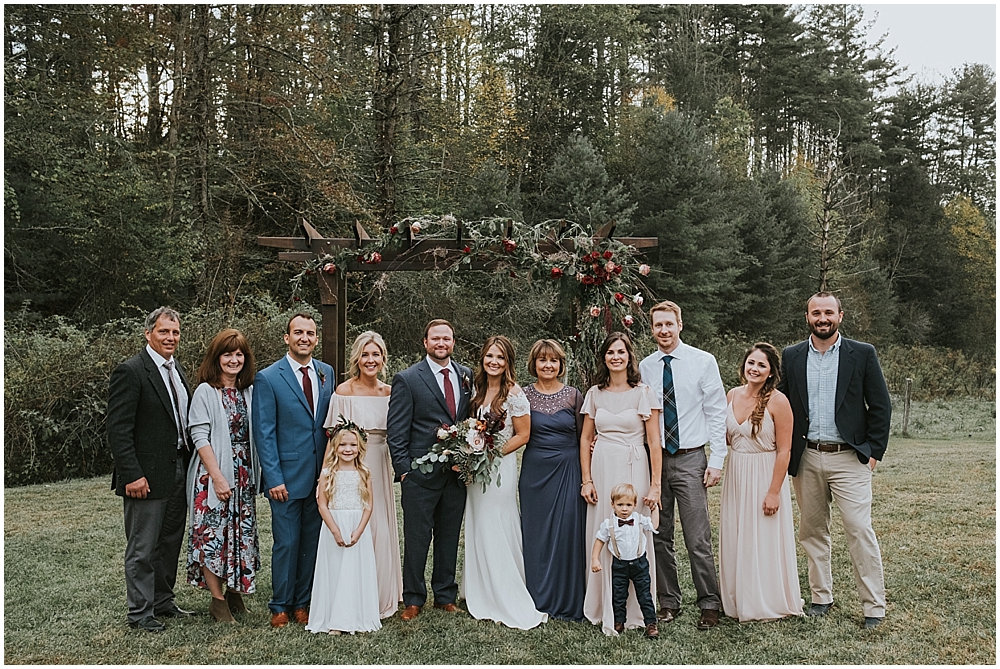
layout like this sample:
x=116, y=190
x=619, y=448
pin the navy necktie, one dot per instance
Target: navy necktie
x=671, y=437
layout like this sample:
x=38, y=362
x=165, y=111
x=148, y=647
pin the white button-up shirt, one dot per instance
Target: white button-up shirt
x=182, y=396
x=700, y=395
x=296, y=367
x=821, y=381
x=630, y=539
x=436, y=367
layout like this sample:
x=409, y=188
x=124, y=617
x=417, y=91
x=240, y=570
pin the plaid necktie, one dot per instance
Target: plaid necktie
x=671, y=438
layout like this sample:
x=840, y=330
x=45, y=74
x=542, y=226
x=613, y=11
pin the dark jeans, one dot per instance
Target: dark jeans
x=637, y=571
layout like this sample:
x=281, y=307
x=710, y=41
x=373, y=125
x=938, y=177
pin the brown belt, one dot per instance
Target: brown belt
x=682, y=451
x=828, y=448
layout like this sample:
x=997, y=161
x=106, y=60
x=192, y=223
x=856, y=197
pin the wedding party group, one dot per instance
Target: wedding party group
x=582, y=530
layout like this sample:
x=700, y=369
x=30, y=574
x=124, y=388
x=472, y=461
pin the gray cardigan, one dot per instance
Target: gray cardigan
x=208, y=424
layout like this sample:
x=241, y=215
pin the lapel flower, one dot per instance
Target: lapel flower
x=465, y=382
x=322, y=376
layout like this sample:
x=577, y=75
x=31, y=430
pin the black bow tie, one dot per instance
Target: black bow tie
x=630, y=521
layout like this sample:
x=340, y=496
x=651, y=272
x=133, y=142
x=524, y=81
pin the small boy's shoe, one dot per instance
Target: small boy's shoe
x=652, y=632
x=620, y=628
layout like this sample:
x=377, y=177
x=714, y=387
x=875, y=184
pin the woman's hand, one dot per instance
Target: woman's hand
x=222, y=489
x=652, y=498
x=589, y=492
x=770, y=504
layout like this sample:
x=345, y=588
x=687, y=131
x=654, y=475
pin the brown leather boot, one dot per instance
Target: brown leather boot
x=219, y=611
x=235, y=602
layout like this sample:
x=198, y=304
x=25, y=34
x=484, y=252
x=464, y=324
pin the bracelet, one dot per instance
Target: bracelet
x=586, y=482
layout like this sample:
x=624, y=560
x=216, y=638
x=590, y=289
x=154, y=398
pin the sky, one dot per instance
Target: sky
x=932, y=40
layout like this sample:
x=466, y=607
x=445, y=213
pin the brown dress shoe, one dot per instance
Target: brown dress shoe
x=620, y=628
x=709, y=619
x=279, y=619
x=667, y=615
x=410, y=612
x=652, y=631
x=447, y=608
x=235, y=602
x=301, y=616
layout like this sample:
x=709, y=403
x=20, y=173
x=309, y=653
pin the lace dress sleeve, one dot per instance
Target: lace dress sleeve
x=518, y=405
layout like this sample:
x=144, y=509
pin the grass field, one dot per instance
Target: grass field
x=934, y=511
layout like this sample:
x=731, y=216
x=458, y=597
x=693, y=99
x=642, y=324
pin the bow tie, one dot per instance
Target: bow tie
x=630, y=521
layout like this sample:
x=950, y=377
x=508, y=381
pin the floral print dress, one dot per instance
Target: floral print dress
x=224, y=539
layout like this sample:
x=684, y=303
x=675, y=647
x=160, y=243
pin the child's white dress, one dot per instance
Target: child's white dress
x=345, y=587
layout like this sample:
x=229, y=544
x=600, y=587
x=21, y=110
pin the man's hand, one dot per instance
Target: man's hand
x=871, y=463
x=278, y=493
x=712, y=477
x=138, y=488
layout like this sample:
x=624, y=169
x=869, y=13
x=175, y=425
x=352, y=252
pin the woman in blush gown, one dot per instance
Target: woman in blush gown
x=493, y=577
x=555, y=544
x=364, y=399
x=758, y=574
x=619, y=409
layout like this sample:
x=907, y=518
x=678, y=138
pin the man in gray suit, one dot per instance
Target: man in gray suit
x=147, y=419
x=434, y=392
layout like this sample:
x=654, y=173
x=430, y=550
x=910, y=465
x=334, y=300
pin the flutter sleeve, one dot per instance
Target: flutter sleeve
x=646, y=405
x=590, y=403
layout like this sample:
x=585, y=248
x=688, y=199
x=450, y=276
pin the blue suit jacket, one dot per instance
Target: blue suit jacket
x=290, y=440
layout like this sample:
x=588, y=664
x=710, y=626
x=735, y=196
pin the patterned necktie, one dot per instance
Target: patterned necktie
x=671, y=438
x=179, y=416
x=307, y=388
x=449, y=394
x=630, y=521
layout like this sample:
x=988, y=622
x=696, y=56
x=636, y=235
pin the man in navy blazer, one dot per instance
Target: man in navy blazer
x=290, y=400
x=434, y=392
x=841, y=410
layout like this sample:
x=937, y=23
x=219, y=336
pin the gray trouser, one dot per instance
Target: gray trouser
x=154, y=532
x=683, y=482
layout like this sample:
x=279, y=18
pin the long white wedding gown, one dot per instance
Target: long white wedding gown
x=493, y=576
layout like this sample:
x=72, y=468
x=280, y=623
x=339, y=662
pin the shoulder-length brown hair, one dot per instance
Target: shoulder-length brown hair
x=508, y=381
x=227, y=341
x=603, y=375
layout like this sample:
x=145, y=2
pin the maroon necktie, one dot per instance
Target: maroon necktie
x=621, y=522
x=449, y=394
x=307, y=388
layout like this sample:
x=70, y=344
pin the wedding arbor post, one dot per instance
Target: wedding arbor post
x=413, y=255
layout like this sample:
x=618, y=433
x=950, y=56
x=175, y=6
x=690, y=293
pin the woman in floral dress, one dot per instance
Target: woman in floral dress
x=223, y=553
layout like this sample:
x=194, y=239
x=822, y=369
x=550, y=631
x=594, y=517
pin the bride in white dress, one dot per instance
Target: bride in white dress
x=493, y=576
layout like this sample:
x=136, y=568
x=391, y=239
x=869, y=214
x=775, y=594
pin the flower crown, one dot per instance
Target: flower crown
x=346, y=424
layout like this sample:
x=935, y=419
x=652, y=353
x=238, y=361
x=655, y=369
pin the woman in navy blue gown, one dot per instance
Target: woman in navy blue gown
x=553, y=514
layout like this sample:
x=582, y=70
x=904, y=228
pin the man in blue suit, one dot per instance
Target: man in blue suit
x=290, y=400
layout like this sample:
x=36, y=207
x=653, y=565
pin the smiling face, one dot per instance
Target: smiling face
x=301, y=339
x=231, y=363
x=823, y=315
x=164, y=336
x=494, y=362
x=347, y=449
x=440, y=343
x=666, y=330
x=757, y=368
x=371, y=361
x=624, y=507
x=547, y=367
x=616, y=357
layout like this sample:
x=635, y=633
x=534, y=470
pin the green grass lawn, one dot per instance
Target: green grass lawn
x=934, y=513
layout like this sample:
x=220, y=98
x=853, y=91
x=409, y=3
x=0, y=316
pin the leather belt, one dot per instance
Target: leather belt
x=682, y=451
x=828, y=448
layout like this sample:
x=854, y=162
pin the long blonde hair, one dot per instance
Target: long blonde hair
x=770, y=384
x=331, y=461
x=358, y=347
x=482, y=381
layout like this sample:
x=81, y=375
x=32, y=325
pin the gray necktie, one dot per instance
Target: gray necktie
x=179, y=416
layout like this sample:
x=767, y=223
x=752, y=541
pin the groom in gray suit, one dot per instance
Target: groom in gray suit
x=434, y=392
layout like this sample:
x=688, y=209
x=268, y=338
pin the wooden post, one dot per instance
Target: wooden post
x=906, y=407
x=333, y=298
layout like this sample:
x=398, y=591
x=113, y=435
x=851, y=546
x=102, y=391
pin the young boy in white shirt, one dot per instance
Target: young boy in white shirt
x=624, y=537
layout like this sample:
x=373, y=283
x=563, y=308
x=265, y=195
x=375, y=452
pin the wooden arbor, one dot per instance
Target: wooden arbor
x=413, y=255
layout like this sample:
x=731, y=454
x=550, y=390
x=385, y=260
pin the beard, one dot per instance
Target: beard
x=824, y=335
x=439, y=356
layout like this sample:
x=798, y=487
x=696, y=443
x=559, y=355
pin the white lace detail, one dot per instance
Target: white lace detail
x=514, y=405
x=347, y=491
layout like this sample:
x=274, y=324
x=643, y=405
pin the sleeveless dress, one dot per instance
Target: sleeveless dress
x=554, y=532
x=224, y=539
x=493, y=575
x=370, y=413
x=619, y=457
x=758, y=574
x=345, y=587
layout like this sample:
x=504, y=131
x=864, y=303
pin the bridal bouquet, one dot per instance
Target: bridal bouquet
x=474, y=445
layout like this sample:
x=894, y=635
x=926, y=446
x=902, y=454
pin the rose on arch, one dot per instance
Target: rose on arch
x=610, y=267
x=509, y=245
x=608, y=255
x=595, y=311
x=618, y=270
x=620, y=297
x=467, y=249
x=375, y=258
x=393, y=230
x=588, y=280
x=628, y=320
x=637, y=298
x=513, y=274
x=329, y=268
x=557, y=273
x=644, y=269
x=415, y=227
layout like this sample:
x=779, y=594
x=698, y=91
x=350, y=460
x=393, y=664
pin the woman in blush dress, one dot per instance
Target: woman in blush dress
x=619, y=409
x=222, y=479
x=555, y=544
x=364, y=399
x=758, y=574
x=493, y=577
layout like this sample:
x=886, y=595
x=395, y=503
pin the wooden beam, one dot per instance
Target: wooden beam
x=297, y=243
x=296, y=256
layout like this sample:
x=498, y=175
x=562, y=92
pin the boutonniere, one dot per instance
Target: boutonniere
x=322, y=377
x=466, y=387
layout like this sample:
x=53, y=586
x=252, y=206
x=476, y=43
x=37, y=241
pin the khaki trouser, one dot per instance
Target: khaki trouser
x=822, y=478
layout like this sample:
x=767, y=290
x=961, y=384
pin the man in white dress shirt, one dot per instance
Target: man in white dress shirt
x=686, y=380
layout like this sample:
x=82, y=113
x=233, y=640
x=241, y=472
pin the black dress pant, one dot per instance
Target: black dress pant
x=636, y=571
x=428, y=514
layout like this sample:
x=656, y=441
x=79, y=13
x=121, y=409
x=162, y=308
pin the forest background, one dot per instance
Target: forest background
x=772, y=149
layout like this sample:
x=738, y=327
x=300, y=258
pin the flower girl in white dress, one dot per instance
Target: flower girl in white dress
x=345, y=587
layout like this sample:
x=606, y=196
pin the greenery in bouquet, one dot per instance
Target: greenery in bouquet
x=474, y=445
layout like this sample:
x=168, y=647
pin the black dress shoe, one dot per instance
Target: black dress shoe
x=171, y=610
x=872, y=623
x=147, y=624
x=818, y=610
